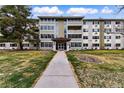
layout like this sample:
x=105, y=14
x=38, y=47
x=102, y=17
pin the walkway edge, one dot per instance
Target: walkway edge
x=40, y=76
x=75, y=75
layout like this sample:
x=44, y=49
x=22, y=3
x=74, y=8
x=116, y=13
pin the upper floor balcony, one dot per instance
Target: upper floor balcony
x=107, y=26
x=96, y=26
x=120, y=31
x=75, y=31
x=74, y=22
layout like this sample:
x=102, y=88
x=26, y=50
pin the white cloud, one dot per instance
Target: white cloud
x=47, y=10
x=106, y=10
x=81, y=10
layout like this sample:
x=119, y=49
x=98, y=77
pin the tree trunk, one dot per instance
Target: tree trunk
x=37, y=46
x=21, y=45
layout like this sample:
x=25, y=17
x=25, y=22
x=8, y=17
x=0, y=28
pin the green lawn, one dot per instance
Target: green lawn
x=107, y=74
x=20, y=69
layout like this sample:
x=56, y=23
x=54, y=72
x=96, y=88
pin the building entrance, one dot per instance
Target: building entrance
x=60, y=46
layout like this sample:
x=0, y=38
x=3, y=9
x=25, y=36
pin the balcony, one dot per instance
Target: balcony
x=107, y=25
x=96, y=26
x=75, y=31
x=74, y=22
x=120, y=31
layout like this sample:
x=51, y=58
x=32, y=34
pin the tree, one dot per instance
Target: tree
x=33, y=37
x=15, y=24
x=120, y=8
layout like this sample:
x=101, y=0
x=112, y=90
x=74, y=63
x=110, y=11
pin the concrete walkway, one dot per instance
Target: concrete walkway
x=58, y=74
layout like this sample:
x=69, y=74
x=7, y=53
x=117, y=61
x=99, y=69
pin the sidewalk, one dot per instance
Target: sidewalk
x=58, y=74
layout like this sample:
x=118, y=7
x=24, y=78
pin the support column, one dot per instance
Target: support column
x=67, y=46
x=101, y=34
x=54, y=46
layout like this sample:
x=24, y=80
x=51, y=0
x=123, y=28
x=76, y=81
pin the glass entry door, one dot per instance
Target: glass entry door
x=61, y=46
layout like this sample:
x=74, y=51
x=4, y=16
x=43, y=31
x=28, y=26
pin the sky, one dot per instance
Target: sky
x=88, y=11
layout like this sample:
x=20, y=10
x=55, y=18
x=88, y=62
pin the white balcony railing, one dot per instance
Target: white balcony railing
x=74, y=22
x=74, y=31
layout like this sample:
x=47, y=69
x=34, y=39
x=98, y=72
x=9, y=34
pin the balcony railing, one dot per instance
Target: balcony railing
x=74, y=22
x=75, y=31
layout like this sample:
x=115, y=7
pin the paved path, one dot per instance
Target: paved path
x=58, y=74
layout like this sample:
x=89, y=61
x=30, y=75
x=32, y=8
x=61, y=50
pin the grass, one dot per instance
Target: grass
x=20, y=69
x=108, y=74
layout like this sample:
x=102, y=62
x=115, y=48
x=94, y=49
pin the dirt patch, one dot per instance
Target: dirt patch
x=89, y=58
x=27, y=74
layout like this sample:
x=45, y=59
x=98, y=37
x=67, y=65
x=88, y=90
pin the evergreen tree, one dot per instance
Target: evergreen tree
x=15, y=24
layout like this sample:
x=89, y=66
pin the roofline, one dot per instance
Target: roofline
x=101, y=19
x=59, y=17
x=82, y=17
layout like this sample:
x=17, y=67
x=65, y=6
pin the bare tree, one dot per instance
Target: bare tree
x=120, y=8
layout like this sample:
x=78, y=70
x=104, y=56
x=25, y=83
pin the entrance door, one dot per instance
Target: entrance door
x=60, y=46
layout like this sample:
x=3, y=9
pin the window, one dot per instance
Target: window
x=96, y=33
x=107, y=30
x=46, y=44
x=108, y=45
x=96, y=40
x=85, y=37
x=95, y=37
x=118, y=37
x=85, y=45
x=118, y=45
x=74, y=27
x=95, y=22
x=47, y=27
x=13, y=45
x=75, y=44
x=50, y=20
x=84, y=22
x=85, y=30
x=108, y=40
x=47, y=36
x=41, y=28
x=25, y=45
x=35, y=45
x=117, y=22
x=118, y=30
x=96, y=25
x=107, y=22
x=74, y=36
x=107, y=37
x=47, y=19
x=65, y=33
x=95, y=45
x=95, y=30
x=2, y=45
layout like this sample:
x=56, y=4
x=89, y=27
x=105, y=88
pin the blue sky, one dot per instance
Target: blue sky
x=89, y=11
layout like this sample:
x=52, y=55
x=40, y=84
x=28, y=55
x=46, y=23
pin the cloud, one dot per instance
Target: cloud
x=106, y=10
x=81, y=10
x=46, y=11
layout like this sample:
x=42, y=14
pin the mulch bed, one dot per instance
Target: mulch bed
x=88, y=58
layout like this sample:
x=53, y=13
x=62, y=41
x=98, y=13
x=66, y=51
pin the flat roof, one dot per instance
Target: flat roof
x=61, y=17
x=102, y=19
x=82, y=17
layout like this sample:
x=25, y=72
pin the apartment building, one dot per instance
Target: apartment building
x=76, y=33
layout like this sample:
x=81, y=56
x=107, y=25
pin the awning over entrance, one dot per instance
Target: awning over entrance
x=61, y=40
